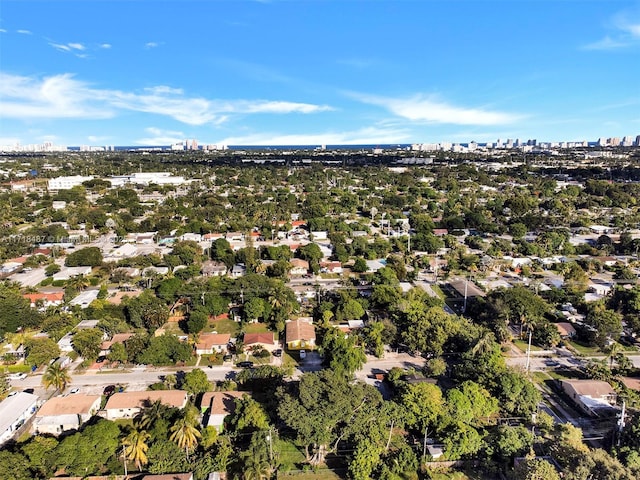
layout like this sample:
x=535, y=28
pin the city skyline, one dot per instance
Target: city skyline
x=313, y=73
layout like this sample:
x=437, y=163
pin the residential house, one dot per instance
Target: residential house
x=69, y=272
x=300, y=334
x=331, y=267
x=61, y=414
x=234, y=236
x=45, y=300
x=299, y=266
x=105, y=347
x=210, y=343
x=265, y=340
x=129, y=404
x=211, y=268
x=14, y=411
x=215, y=406
x=566, y=330
x=238, y=270
x=591, y=396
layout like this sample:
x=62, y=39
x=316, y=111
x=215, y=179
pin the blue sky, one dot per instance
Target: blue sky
x=242, y=72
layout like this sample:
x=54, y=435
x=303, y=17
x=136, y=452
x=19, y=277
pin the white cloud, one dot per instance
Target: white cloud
x=59, y=96
x=607, y=43
x=69, y=47
x=266, y=106
x=105, y=46
x=368, y=135
x=24, y=32
x=2, y=30
x=625, y=32
x=151, y=45
x=161, y=137
x=431, y=110
x=96, y=138
x=62, y=96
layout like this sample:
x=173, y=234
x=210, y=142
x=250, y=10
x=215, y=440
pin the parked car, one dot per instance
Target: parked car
x=109, y=390
x=17, y=376
x=28, y=390
x=277, y=352
x=303, y=354
x=74, y=390
x=245, y=364
x=227, y=357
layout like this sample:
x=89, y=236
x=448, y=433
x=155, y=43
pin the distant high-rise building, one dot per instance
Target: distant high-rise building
x=638, y=141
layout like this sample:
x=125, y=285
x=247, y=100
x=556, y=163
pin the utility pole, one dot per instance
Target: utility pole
x=270, y=449
x=466, y=286
x=424, y=443
x=621, y=421
x=528, y=352
x=124, y=455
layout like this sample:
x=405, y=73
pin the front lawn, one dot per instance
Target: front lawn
x=224, y=325
x=585, y=350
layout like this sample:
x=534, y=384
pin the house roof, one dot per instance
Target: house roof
x=300, y=330
x=71, y=404
x=117, y=338
x=173, y=398
x=591, y=388
x=252, y=338
x=45, y=296
x=220, y=403
x=298, y=262
x=631, y=383
x=208, y=340
x=169, y=476
x=565, y=329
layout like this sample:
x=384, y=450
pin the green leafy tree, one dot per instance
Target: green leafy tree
x=423, y=405
x=196, y=382
x=87, y=452
x=14, y=466
x=117, y=353
x=197, y=321
x=472, y=404
x=536, y=469
x=85, y=257
x=40, y=452
x=248, y=416
x=517, y=395
x=165, y=350
x=343, y=355
x=147, y=311
x=5, y=386
x=325, y=408
x=16, y=310
x=311, y=252
x=87, y=343
x=41, y=351
x=253, y=309
x=509, y=442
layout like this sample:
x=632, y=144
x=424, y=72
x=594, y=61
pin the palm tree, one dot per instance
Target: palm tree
x=151, y=412
x=185, y=432
x=613, y=351
x=135, y=447
x=78, y=282
x=56, y=376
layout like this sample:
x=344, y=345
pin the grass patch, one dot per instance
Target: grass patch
x=224, y=326
x=256, y=328
x=585, y=350
x=437, y=290
x=522, y=345
x=291, y=457
x=319, y=474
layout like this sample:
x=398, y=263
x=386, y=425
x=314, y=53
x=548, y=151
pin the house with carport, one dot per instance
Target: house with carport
x=61, y=414
x=129, y=404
